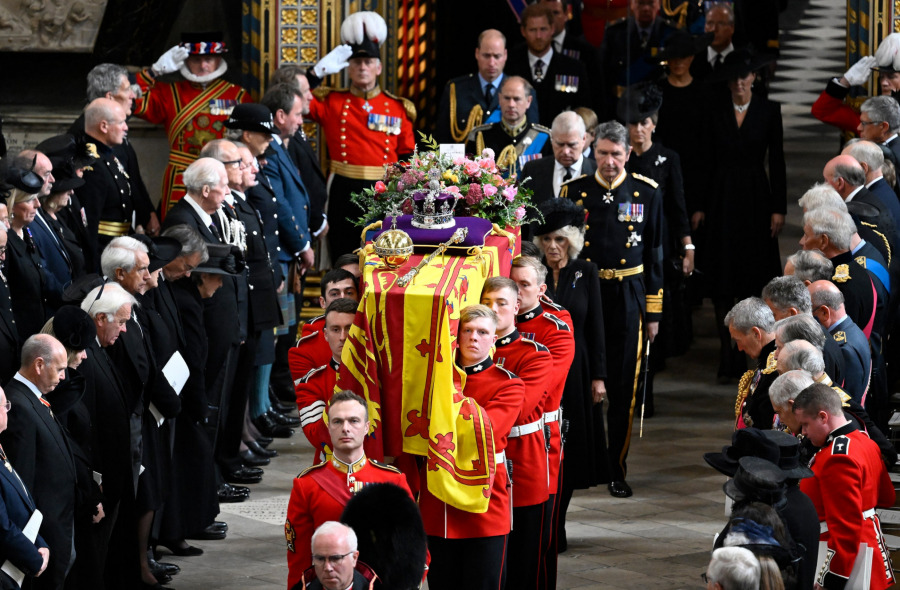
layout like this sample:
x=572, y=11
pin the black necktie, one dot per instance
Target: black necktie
x=215, y=231
x=645, y=36
x=538, y=70
x=718, y=61
x=568, y=175
x=488, y=94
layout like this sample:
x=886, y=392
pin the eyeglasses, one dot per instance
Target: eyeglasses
x=864, y=123
x=2, y=250
x=97, y=298
x=704, y=577
x=239, y=164
x=332, y=559
x=7, y=406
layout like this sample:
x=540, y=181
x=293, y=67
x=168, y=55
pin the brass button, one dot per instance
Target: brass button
x=630, y=228
x=587, y=244
x=579, y=202
x=588, y=259
x=343, y=137
x=586, y=227
x=622, y=261
x=583, y=194
x=343, y=121
x=628, y=245
x=637, y=194
x=343, y=153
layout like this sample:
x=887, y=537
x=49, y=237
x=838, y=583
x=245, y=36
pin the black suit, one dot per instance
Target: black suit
x=467, y=92
x=39, y=448
x=552, y=98
x=262, y=197
x=9, y=335
x=26, y=284
x=541, y=173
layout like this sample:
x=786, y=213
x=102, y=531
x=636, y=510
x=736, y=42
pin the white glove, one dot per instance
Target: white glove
x=334, y=62
x=170, y=61
x=858, y=74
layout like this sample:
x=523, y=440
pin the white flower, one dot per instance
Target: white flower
x=487, y=153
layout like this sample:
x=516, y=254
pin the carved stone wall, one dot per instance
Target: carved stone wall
x=50, y=25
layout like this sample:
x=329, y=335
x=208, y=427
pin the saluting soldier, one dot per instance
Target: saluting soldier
x=623, y=238
x=473, y=99
x=516, y=139
x=193, y=110
x=365, y=128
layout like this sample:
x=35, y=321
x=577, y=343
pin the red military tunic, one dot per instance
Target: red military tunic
x=500, y=394
x=558, y=337
x=850, y=482
x=533, y=364
x=319, y=495
x=314, y=391
x=311, y=351
x=193, y=115
x=363, y=129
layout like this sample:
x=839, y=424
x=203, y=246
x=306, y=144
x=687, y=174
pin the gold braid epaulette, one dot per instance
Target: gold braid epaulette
x=883, y=239
x=771, y=364
x=473, y=120
x=743, y=392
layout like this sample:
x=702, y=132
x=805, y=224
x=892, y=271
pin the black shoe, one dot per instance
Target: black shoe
x=240, y=490
x=219, y=525
x=285, y=419
x=210, y=533
x=264, y=441
x=160, y=569
x=160, y=579
x=268, y=427
x=250, y=458
x=180, y=548
x=244, y=475
x=620, y=489
x=287, y=396
x=280, y=405
x=259, y=450
x=562, y=543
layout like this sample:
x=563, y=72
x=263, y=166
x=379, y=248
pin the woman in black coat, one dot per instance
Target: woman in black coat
x=23, y=266
x=574, y=284
x=744, y=206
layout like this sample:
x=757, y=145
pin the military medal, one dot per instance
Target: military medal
x=608, y=198
x=637, y=212
x=566, y=84
x=367, y=107
x=633, y=239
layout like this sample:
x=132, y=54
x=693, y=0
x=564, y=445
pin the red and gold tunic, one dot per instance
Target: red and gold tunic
x=850, y=481
x=312, y=349
x=363, y=130
x=314, y=391
x=501, y=394
x=533, y=364
x=558, y=337
x=319, y=495
x=193, y=115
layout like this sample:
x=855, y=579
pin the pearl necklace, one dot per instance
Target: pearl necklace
x=741, y=107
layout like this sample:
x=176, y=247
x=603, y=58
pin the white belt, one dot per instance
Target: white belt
x=529, y=428
x=552, y=416
x=500, y=459
x=823, y=526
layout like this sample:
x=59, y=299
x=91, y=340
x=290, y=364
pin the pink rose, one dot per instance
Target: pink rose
x=510, y=193
x=471, y=168
x=489, y=190
x=459, y=160
x=486, y=163
x=380, y=188
x=520, y=213
x=454, y=190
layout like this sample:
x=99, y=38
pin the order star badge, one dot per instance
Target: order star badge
x=608, y=197
x=633, y=239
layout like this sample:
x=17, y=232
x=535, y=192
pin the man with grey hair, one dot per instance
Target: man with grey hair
x=106, y=196
x=828, y=309
x=782, y=393
x=567, y=136
x=829, y=231
x=751, y=325
x=628, y=254
x=732, y=568
x=879, y=121
x=808, y=266
x=821, y=194
x=332, y=540
x=515, y=139
x=805, y=327
x=871, y=157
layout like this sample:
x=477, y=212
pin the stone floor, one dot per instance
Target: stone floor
x=661, y=537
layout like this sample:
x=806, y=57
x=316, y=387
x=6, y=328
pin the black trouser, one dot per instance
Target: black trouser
x=473, y=564
x=550, y=542
x=623, y=310
x=525, y=547
x=228, y=447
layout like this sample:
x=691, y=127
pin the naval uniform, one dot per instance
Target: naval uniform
x=314, y=391
x=107, y=201
x=319, y=494
x=543, y=325
x=468, y=550
x=753, y=406
x=464, y=106
x=513, y=146
x=363, y=132
x=527, y=449
x=857, y=289
x=850, y=466
x=856, y=354
x=623, y=238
